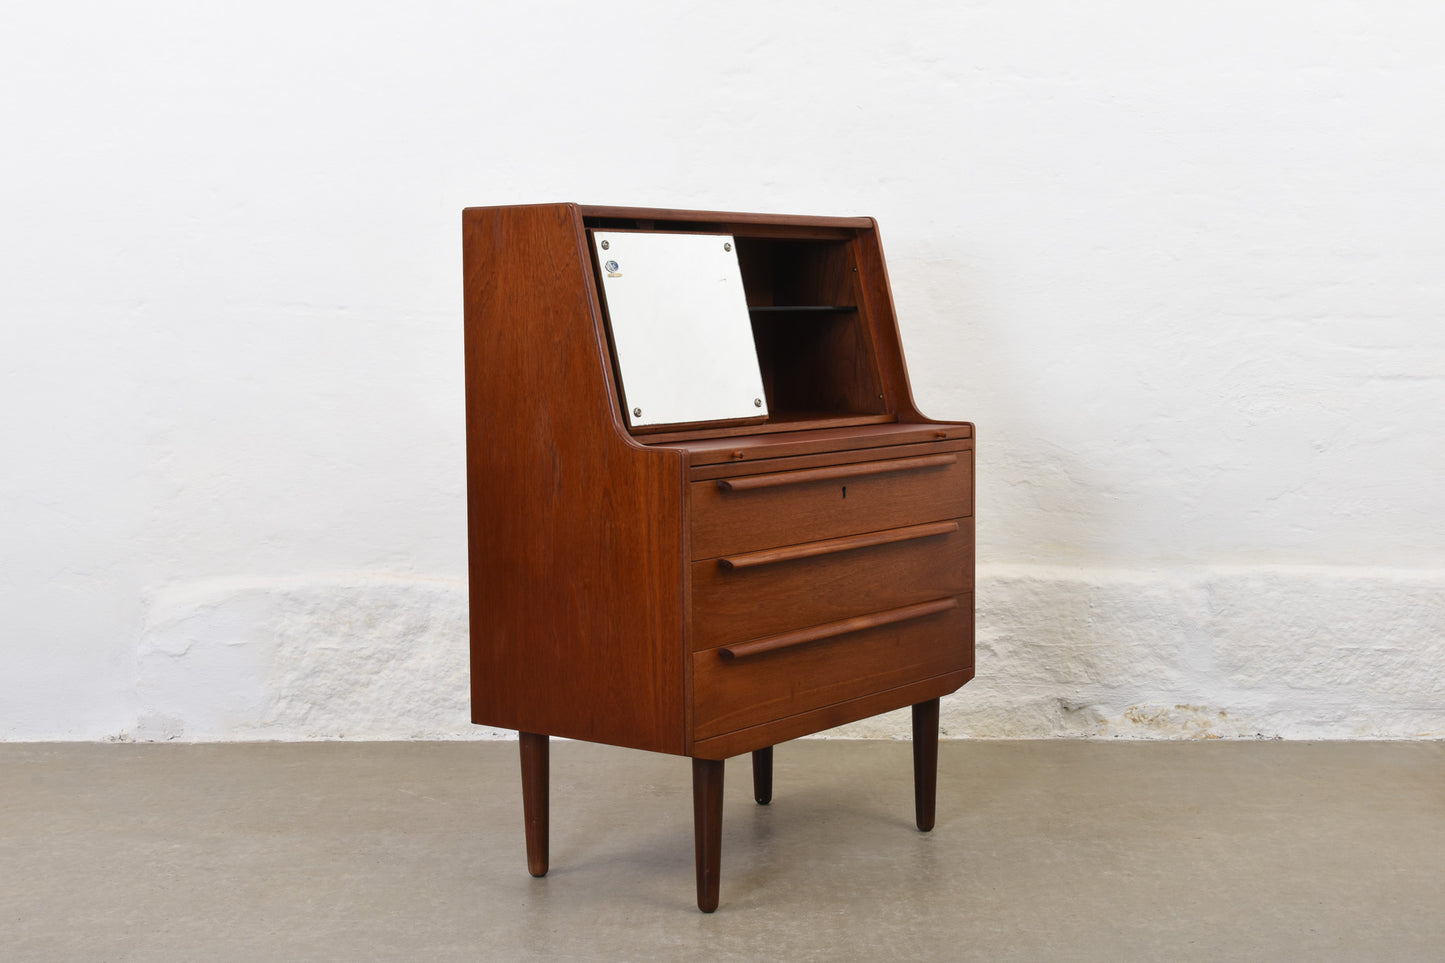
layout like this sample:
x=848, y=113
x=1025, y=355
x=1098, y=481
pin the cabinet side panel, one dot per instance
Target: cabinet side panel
x=575, y=533
x=877, y=298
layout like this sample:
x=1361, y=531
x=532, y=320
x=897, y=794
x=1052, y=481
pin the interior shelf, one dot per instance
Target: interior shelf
x=800, y=308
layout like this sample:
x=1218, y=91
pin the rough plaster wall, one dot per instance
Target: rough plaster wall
x=308, y=658
x=1182, y=263
x=1218, y=653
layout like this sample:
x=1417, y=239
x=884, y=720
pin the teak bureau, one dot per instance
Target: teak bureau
x=715, y=586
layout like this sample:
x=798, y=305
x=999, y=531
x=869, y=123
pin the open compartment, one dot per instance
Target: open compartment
x=814, y=350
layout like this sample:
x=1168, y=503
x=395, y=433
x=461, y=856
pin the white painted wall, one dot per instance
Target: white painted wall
x=1183, y=263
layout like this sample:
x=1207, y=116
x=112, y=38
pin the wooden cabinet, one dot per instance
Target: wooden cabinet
x=715, y=587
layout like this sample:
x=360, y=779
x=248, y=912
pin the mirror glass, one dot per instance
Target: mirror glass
x=680, y=327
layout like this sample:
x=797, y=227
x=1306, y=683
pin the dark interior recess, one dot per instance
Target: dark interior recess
x=813, y=346
x=643, y=224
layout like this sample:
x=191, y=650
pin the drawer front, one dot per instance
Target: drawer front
x=808, y=505
x=824, y=581
x=731, y=693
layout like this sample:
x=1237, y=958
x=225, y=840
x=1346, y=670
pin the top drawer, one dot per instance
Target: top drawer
x=750, y=512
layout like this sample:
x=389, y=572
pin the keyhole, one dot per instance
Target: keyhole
x=845, y=491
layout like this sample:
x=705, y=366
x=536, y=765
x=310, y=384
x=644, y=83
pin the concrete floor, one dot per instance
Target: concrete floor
x=411, y=851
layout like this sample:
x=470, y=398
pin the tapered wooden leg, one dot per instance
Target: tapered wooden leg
x=707, y=802
x=925, y=762
x=763, y=775
x=535, y=754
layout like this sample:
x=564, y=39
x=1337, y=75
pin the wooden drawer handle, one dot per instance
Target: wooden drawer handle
x=774, y=479
x=841, y=627
x=828, y=546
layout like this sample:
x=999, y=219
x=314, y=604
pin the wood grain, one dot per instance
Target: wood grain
x=734, y=694
x=763, y=776
x=707, y=806
x=777, y=731
x=575, y=531
x=877, y=301
x=728, y=522
x=830, y=630
x=811, y=440
x=741, y=604
x=925, y=763
x=743, y=467
x=794, y=421
x=535, y=751
x=833, y=472
x=833, y=546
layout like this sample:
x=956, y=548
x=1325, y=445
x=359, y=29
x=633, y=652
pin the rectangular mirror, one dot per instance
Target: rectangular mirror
x=680, y=327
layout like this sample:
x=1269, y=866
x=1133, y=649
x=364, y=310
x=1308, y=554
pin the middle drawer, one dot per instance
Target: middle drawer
x=766, y=596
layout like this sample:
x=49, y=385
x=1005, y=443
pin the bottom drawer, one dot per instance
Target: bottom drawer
x=734, y=693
